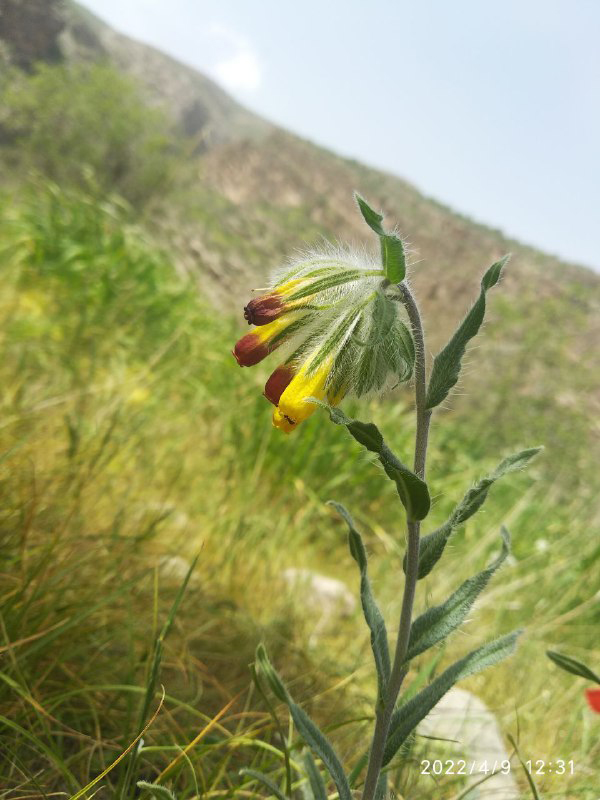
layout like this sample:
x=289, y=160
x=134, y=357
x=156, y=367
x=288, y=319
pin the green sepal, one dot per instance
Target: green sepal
x=570, y=664
x=446, y=365
x=307, y=729
x=413, y=491
x=315, y=779
x=266, y=782
x=406, y=718
x=432, y=545
x=328, y=282
x=379, y=346
x=393, y=256
x=438, y=622
x=373, y=616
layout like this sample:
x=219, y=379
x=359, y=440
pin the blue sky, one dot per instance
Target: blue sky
x=492, y=108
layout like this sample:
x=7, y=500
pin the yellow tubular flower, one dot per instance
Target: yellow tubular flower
x=293, y=407
x=256, y=345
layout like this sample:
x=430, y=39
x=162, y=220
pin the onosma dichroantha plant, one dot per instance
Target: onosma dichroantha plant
x=344, y=323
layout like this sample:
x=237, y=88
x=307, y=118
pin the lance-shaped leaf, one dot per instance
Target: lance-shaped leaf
x=432, y=545
x=381, y=790
x=373, y=616
x=406, y=718
x=307, y=729
x=315, y=779
x=266, y=781
x=438, y=622
x=413, y=491
x=393, y=256
x=158, y=792
x=446, y=365
x=573, y=666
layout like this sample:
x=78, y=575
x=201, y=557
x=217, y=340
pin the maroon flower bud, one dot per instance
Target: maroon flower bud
x=278, y=383
x=250, y=349
x=255, y=346
x=263, y=310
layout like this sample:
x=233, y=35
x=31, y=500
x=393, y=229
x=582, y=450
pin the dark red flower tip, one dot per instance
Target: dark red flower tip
x=593, y=698
x=278, y=383
x=263, y=310
x=250, y=349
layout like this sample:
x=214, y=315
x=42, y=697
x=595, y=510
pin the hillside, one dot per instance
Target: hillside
x=250, y=193
x=138, y=206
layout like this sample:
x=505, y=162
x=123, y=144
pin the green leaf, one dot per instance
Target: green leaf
x=393, y=256
x=413, y=491
x=159, y=792
x=406, y=718
x=381, y=790
x=526, y=770
x=307, y=729
x=446, y=365
x=315, y=779
x=438, y=622
x=271, y=675
x=373, y=616
x=432, y=545
x=266, y=781
x=570, y=664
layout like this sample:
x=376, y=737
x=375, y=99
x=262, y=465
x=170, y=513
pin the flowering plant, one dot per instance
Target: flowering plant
x=346, y=324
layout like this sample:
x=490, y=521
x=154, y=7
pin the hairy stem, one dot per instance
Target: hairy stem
x=386, y=707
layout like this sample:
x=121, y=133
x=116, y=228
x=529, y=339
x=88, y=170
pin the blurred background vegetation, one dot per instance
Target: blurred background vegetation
x=138, y=206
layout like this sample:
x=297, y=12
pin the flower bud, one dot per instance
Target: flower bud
x=278, y=383
x=263, y=310
x=250, y=350
x=256, y=345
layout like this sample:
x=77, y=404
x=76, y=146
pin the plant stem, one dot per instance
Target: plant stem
x=385, y=708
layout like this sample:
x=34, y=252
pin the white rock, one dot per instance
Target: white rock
x=175, y=568
x=328, y=598
x=474, y=736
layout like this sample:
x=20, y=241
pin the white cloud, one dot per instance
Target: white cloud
x=237, y=65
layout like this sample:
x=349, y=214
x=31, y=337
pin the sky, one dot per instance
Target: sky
x=491, y=108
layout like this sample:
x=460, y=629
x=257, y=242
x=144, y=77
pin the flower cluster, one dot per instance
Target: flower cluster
x=339, y=326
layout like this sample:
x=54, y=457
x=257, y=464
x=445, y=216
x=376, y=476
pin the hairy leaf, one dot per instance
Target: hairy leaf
x=381, y=790
x=393, y=256
x=437, y=623
x=446, y=365
x=266, y=781
x=432, y=545
x=315, y=779
x=159, y=792
x=373, y=616
x=307, y=729
x=413, y=491
x=406, y=718
x=573, y=666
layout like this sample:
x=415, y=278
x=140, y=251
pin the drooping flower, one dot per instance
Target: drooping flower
x=294, y=403
x=343, y=331
x=264, y=309
x=278, y=383
x=259, y=343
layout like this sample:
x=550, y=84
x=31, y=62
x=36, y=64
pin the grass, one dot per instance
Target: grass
x=128, y=437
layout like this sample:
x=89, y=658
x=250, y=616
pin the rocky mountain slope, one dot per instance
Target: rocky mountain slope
x=253, y=192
